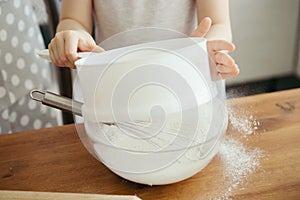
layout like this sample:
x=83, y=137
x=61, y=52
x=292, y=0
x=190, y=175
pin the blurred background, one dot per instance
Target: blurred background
x=267, y=38
x=266, y=34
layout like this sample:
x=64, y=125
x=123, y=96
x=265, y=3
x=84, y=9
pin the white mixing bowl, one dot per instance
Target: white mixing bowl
x=166, y=84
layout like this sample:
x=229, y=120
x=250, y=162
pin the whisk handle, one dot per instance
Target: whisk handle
x=57, y=101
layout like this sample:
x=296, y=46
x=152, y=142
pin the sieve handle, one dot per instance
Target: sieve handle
x=46, y=55
x=57, y=101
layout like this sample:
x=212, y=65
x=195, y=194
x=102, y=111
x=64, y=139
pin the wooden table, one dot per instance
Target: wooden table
x=54, y=159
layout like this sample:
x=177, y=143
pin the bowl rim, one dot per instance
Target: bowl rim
x=83, y=62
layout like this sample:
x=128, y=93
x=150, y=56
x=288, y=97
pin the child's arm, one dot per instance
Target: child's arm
x=218, y=11
x=214, y=24
x=76, y=15
x=73, y=33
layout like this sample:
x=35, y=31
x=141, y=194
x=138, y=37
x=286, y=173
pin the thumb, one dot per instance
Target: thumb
x=98, y=49
x=202, y=28
x=86, y=44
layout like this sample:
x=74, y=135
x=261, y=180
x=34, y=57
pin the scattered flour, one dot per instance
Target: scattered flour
x=243, y=121
x=239, y=162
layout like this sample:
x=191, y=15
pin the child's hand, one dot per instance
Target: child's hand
x=65, y=44
x=223, y=65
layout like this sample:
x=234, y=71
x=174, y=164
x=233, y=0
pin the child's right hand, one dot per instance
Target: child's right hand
x=64, y=46
x=222, y=64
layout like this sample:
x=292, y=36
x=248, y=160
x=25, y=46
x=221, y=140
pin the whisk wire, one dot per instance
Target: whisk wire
x=145, y=132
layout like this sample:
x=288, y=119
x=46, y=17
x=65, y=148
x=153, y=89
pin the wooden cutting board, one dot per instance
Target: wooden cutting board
x=26, y=195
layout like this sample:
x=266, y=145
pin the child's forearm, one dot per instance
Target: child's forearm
x=218, y=11
x=219, y=31
x=76, y=15
x=70, y=24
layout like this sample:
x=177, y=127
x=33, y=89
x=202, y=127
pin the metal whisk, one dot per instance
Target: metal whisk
x=139, y=128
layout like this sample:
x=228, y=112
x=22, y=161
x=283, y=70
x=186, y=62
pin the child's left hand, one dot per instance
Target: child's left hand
x=223, y=65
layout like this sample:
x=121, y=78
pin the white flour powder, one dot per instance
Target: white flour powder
x=169, y=155
x=243, y=121
x=240, y=162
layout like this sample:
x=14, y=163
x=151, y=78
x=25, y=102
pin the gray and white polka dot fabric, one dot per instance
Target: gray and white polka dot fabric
x=40, y=11
x=21, y=69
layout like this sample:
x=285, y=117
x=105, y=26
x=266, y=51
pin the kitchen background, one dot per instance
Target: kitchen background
x=267, y=38
x=266, y=34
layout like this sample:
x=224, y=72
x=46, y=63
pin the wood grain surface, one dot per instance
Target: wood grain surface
x=28, y=195
x=54, y=159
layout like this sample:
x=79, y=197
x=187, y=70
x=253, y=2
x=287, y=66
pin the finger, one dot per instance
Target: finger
x=219, y=45
x=60, y=52
x=71, y=46
x=223, y=58
x=226, y=75
x=228, y=71
x=54, y=53
x=202, y=28
x=70, y=64
x=51, y=53
x=86, y=44
x=225, y=68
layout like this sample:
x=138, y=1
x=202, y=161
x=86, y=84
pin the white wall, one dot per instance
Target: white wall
x=264, y=32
